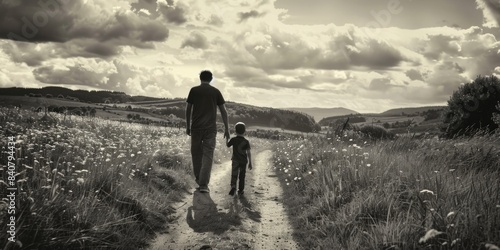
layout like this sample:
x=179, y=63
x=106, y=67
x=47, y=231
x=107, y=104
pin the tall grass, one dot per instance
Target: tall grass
x=399, y=194
x=89, y=183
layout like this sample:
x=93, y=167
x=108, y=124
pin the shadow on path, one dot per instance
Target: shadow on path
x=204, y=216
x=247, y=207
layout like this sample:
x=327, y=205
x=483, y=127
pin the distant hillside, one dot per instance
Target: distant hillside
x=409, y=111
x=120, y=106
x=237, y=112
x=320, y=113
x=93, y=96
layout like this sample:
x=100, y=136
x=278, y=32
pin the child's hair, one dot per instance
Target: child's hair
x=240, y=128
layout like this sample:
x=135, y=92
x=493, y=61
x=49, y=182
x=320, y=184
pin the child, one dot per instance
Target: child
x=241, y=156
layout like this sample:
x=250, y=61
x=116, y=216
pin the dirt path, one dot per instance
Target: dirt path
x=255, y=220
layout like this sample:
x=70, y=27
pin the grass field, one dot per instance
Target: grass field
x=401, y=194
x=35, y=102
x=118, y=114
x=390, y=119
x=90, y=183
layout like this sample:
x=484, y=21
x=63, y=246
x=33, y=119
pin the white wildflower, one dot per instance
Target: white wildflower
x=431, y=234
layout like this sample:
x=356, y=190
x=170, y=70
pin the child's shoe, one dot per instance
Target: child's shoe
x=232, y=191
x=240, y=192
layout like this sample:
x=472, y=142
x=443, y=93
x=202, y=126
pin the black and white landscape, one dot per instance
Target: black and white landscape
x=374, y=124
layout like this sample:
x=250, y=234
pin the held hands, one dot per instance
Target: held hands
x=226, y=134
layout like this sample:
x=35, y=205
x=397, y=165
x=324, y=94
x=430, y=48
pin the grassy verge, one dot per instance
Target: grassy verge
x=90, y=183
x=401, y=194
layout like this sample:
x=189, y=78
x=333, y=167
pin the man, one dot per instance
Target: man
x=202, y=103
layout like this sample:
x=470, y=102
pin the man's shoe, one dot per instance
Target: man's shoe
x=204, y=190
x=233, y=190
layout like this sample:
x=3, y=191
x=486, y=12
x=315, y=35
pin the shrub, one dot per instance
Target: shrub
x=471, y=107
x=376, y=132
x=496, y=116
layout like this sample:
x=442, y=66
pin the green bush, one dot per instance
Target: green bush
x=471, y=107
x=376, y=132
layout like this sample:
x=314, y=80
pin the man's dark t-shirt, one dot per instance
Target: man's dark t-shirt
x=205, y=99
x=240, y=146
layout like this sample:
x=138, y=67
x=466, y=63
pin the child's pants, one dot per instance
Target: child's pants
x=239, y=170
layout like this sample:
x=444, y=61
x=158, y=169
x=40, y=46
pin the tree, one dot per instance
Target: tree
x=431, y=114
x=471, y=107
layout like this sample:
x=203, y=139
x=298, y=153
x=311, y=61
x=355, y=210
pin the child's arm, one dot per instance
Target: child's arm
x=249, y=153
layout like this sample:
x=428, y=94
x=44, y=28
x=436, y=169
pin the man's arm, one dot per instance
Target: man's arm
x=223, y=113
x=249, y=153
x=189, y=108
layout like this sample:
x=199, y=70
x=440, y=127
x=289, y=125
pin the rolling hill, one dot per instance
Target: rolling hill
x=320, y=113
x=94, y=96
x=409, y=111
x=120, y=106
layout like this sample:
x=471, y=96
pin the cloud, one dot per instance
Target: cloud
x=195, y=40
x=376, y=54
x=34, y=54
x=314, y=80
x=257, y=78
x=76, y=28
x=446, y=77
x=440, y=44
x=414, y=74
x=272, y=47
x=491, y=12
x=73, y=75
x=215, y=20
x=116, y=75
x=68, y=20
x=149, y=6
x=474, y=49
x=102, y=44
x=246, y=15
x=24, y=52
x=173, y=13
x=381, y=84
x=15, y=74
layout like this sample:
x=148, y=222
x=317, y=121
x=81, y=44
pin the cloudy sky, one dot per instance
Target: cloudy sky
x=366, y=55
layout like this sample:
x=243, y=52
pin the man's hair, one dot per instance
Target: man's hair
x=206, y=76
x=240, y=128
